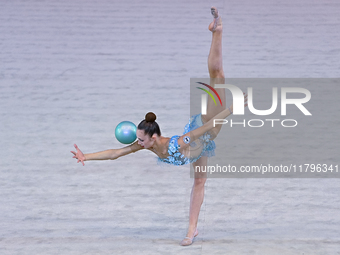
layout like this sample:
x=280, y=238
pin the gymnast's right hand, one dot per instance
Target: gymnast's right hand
x=79, y=155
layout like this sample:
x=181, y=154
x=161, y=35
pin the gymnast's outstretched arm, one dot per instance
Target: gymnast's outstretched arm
x=107, y=154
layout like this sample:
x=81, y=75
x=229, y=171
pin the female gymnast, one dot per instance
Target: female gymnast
x=194, y=146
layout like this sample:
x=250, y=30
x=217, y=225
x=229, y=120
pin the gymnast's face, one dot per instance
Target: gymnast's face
x=144, y=139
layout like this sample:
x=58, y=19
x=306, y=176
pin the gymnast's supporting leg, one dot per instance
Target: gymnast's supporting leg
x=196, y=200
x=216, y=77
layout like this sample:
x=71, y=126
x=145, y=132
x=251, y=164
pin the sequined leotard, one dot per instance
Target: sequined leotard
x=202, y=146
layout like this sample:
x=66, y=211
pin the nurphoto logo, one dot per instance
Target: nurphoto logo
x=238, y=105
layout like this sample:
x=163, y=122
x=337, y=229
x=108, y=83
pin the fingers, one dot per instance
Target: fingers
x=81, y=162
x=245, y=99
x=75, y=155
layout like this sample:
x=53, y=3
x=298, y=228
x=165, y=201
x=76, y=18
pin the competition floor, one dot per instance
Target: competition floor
x=71, y=71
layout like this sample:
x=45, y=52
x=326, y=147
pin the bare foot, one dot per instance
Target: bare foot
x=216, y=25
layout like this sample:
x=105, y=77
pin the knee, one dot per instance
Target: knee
x=199, y=182
x=216, y=72
x=219, y=74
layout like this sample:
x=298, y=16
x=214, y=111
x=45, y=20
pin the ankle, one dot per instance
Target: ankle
x=191, y=231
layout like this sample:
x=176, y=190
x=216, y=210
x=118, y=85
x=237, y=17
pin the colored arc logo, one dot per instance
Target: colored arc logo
x=207, y=91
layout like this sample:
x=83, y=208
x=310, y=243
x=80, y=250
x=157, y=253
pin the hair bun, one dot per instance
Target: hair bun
x=150, y=117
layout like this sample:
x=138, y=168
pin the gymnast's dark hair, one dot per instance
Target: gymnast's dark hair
x=149, y=125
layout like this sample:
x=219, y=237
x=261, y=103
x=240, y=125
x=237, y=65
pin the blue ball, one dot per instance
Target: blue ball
x=126, y=132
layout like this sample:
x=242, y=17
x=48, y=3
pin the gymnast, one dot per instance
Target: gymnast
x=195, y=145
